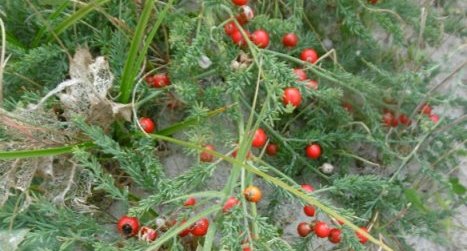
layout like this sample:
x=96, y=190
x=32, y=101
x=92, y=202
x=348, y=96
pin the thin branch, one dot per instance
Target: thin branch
x=434, y=88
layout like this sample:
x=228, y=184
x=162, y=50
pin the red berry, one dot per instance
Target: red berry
x=242, y=19
x=184, y=232
x=373, y=1
x=200, y=228
x=190, y=202
x=321, y=229
x=362, y=238
x=147, y=124
x=313, y=151
x=128, y=226
x=313, y=84
x=335, y=236
x=239, y=2
x=309, y=210
x=307, y=188
x=434, y=118
x=388, y=118
x=237, y=38
x=404, y=119
x=205, y=156
x=260, y=38
x=148, y=234
x=149, y=79
x=272, y=149
x=160, y=80
x=292, y=96
x=259, y=139
x=300, y=73
x=304, y=229
x=246, y=249
x=309, y=55
x=395, y=122
x=252, y=194
x=248, y=155
x=290, y=40
x=230, y=28
x=229, y=204
x=347, y=106
x=426, y=109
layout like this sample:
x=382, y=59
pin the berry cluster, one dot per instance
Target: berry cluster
x=391, y=120
x=428, y=111
x=321, y=228
x=261, y=39
x=130, y=226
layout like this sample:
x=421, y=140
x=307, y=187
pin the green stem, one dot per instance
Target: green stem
x=43, y=152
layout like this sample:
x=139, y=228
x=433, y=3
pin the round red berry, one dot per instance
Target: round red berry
x=309, y=55
x=148, y=234
x=290, y=40
x=185, y=231
x=307, y=188
x=312, y=84
x=259, y=139
x=149, y=79
x=395, y=122
x=147, y=124
x=388, y=119
x=309, y=210
x=347, y=106
x=292, y=96
x=190, y=202
x=434, y=118
x=300, y=73
x=248, y=155
x=242, y=19
x=260, y=38
x=230, y=28
x=373, y=1
x=239, y=2
x=321, y=229
x=335, y=236
x=304, y=229
x=128, y=226
x=404, y=119
x=204, y=156
x=360, y=236
x=313, y=151
x=272, y=149
x=252, y=194
x=160, y=80
x=200, y=228
x=426, y=109
x=237, y=38
x=229, y=204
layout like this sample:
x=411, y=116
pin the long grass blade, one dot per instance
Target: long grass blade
x=75, y=17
